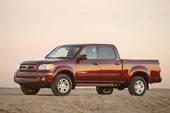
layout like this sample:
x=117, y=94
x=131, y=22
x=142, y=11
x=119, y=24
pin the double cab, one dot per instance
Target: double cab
x=99, y=65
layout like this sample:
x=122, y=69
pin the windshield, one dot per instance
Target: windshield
x=65, y=52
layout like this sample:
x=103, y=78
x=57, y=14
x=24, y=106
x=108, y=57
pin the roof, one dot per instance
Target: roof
x=86, y=44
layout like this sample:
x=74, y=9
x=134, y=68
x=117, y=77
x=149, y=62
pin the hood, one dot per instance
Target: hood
x=41, y=61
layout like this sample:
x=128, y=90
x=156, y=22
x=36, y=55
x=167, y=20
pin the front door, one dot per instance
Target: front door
x=88, y=70
x=111, y=68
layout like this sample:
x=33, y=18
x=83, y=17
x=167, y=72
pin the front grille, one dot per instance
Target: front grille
x=28, y=68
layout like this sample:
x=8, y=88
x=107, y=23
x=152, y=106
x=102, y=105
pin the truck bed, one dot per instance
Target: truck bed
x=150, y=67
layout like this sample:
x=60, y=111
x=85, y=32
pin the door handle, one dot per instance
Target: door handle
x=95, y=64
x=117, y=63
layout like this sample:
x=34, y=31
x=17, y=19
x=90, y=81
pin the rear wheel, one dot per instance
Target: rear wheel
x=62, y=85
x=104, y=90
x=137, y=86
x=29, y=90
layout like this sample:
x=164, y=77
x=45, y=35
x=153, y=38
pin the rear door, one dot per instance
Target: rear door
x=111, y=68
x=88, y=70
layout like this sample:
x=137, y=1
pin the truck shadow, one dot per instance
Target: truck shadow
x=39, y=95
x=7, y=94
x=67, y=95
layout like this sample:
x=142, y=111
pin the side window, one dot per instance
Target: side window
x=90, y=51
x=106, y=52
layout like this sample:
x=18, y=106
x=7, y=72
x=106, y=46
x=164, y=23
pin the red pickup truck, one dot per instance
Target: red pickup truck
x=98, y=65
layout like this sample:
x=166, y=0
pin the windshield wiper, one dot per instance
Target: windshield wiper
x=58, y=57
x=61, y=57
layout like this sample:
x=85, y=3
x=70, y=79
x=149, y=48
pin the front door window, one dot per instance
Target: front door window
x=90, y=51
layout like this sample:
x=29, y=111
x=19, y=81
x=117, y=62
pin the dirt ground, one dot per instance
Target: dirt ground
x=84, y=101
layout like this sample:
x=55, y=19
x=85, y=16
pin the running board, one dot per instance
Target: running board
x=96, y=84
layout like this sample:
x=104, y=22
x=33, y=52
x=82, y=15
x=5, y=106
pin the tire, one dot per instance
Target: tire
x=62, y=85
x=130, y=89
x=104, y=90
x=137, y=86
x=29, y=90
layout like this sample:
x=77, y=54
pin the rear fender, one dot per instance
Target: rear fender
x=138, y=69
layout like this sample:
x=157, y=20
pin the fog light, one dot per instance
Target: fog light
x=43, y=78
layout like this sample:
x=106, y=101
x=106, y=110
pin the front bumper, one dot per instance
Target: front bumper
x=33, y=77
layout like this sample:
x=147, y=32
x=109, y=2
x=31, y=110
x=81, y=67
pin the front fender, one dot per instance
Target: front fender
x=63, y=68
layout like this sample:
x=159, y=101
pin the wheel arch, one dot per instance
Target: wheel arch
x=69, y=74
x=143, y=75
x=140, y=71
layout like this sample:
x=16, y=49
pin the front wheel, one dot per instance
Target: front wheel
x=62, y=85
x=137, y=86
x=29, y=90
x=104, y=90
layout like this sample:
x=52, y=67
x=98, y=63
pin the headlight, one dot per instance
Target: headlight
x=46, y=66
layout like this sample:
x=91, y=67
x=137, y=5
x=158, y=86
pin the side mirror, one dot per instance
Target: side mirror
x=83, y=57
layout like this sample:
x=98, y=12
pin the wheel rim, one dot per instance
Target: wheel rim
x=63, y=85
x=106, y=90
x=139, y=87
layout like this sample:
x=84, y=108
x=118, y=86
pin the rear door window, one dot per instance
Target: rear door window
x=106, y=52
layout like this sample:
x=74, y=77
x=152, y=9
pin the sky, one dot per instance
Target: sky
x=30, y=29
